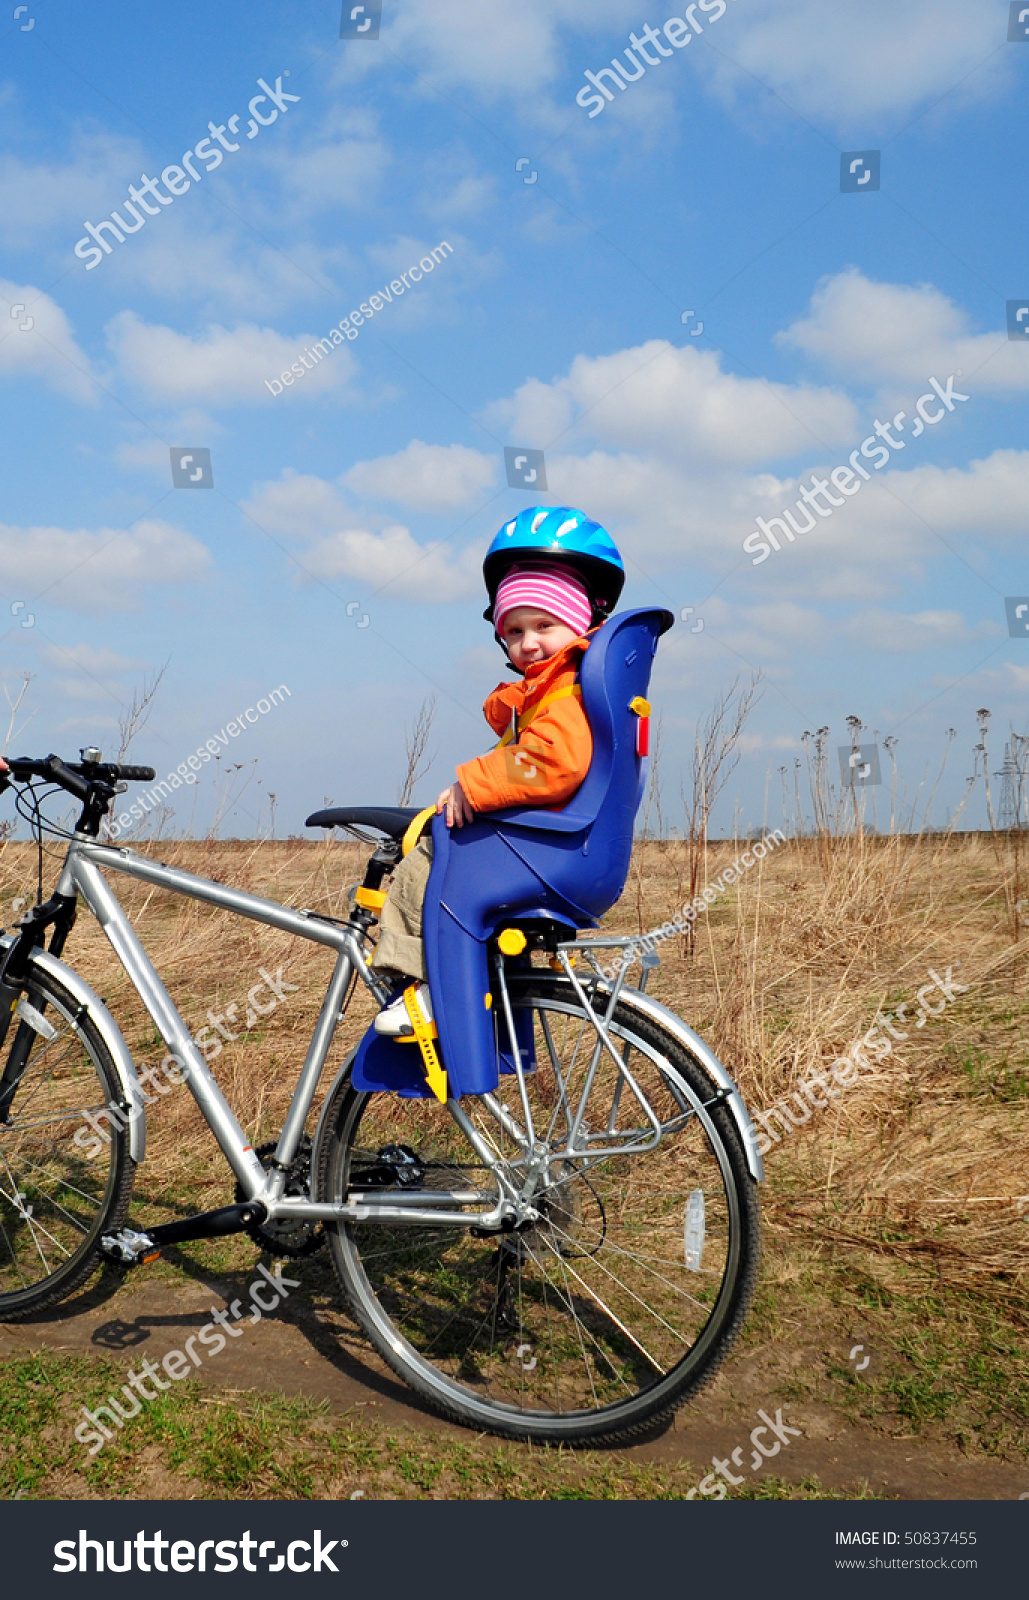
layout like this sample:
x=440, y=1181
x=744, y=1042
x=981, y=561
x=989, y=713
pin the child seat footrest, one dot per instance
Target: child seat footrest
x=425, y=1035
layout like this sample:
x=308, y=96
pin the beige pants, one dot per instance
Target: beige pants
x=400, y=920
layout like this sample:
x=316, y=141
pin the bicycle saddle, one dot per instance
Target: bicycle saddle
x=392, y=820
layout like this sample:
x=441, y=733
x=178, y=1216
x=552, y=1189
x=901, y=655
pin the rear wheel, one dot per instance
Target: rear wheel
x=63, y=1180
x=605, y=1313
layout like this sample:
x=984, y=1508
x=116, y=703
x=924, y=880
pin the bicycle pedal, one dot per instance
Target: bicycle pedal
x=128, y=1248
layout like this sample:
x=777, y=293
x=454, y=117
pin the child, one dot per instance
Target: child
x=552, y=576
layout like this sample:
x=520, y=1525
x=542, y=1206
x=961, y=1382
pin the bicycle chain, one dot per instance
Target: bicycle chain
x=292, y=1239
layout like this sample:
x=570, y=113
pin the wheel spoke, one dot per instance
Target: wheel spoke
x=49, y=1237
x=561, y=1318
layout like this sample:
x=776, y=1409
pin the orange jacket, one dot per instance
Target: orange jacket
x=546, y=745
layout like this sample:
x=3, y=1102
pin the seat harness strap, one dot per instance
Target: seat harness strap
x=519, y=726
x=414, y=832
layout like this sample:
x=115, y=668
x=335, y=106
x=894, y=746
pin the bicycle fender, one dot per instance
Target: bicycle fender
x=319, y=1132
x=109, y=1031
x=637, y=1001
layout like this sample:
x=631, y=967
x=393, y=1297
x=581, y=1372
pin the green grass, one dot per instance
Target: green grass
x=243, y=1446
x=810, y=1488
x=995, y=1080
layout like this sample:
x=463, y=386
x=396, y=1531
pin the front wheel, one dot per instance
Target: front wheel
x=621, y=1299
x=64, y=1179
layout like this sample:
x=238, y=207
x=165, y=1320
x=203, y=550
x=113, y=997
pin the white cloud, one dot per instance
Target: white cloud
x=850, y=67
x=85, y=688
x=766, y=633
x=859, y=68
x=758, y=743
x=430, y=573
x=509, y=47
x=345, y=167
x=102, y=571
x=896, y=333
x=425, y=477
x=894, y=525
x=38, y=197
x=202, y=255
x=924, y=630
x=46, y=348
x=90, y=658
x=299, y=506
x=150, y=455
x=675, y=402
x=340, y=542
x=222, y=366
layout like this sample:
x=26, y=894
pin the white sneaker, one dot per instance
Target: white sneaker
x=394, y=1022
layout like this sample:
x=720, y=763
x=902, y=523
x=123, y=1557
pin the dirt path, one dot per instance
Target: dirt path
x=301, y=1353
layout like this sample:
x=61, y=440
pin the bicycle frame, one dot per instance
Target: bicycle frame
x=81, y=876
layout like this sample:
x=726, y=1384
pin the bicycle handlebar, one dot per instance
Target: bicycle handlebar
x=137, y=774
x=80, y=778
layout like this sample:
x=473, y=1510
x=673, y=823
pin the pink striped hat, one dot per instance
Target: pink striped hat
x=553, y=589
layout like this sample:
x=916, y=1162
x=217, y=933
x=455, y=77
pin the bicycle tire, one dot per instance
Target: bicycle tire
x=56, y=1199
x=405, y=1292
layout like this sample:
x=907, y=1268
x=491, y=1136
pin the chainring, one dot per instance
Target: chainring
x=291, y=1239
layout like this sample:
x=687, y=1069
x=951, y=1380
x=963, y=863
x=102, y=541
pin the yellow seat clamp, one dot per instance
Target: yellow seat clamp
x=640, y=706
x=371, y=899
x=512, y=941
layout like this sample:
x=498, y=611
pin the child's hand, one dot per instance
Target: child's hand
x=455, y=803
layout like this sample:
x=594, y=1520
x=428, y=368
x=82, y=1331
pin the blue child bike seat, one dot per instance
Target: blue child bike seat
x=567, y=866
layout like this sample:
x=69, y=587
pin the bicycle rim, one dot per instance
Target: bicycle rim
x=590, y=1323
x=61, y=1180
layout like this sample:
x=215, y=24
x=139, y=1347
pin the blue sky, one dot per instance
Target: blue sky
x=712, y=184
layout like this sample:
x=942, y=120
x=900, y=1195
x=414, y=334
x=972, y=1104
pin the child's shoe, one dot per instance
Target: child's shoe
x=394, y=1022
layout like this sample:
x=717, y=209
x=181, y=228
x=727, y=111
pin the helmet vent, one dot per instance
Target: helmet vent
x=509, y=530
x=566, y=527
x=541, y=516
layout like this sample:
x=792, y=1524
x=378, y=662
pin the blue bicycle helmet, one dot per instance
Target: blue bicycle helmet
x=566, y=537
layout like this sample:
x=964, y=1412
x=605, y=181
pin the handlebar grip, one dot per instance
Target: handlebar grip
x=137, y=774
x=78, y=786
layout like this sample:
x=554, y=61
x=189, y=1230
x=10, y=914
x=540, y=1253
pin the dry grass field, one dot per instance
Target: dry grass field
x=895, y=1217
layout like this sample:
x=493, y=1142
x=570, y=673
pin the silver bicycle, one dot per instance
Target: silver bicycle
x=566, y=1259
